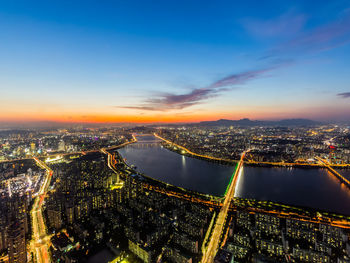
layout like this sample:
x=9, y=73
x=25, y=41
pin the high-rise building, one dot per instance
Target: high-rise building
x=61, y=146
x=3, y=234
x=32, y=147
x=41, y=146
x=55, y=218
x=17, y=243
x=18, y=209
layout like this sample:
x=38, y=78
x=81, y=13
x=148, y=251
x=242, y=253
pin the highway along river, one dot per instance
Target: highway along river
x=314, y=188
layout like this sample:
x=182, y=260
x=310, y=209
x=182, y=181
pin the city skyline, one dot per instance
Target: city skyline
x=175, y=131
x=174, y=62
x=167, y=193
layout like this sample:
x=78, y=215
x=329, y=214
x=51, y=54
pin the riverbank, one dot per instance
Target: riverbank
x=184, y=151
x=167, y=188
x=179, y=151
x=299, y=186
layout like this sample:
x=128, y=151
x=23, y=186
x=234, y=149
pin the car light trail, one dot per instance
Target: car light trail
x=209, y=254
x=40, y=241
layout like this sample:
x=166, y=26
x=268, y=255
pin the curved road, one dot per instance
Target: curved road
x=40, y=242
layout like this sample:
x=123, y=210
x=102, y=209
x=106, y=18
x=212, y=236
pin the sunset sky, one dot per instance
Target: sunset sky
x=174, y=61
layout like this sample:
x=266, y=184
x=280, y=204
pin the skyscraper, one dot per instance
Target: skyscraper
x=32, y=147
x=17, y=243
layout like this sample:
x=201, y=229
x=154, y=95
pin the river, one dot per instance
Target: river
x=155, y=161
x=315, y=188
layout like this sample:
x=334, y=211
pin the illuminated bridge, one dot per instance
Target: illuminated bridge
x=341, y=178
x=213, y=246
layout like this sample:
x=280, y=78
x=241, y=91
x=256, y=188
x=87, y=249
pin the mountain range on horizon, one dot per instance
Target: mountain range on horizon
x=248, y=122
x=244, y=122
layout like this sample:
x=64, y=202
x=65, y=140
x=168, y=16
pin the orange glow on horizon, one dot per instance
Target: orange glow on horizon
x=106, y=115
x=165, y=118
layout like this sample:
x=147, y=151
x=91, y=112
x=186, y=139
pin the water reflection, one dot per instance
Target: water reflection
x=344, y=172
x=305, y=187
x=295, y=186
x=238, y=184
x=156, y=161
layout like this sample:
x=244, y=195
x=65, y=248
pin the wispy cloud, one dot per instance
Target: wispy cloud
x=303, y=42
x=285, y=25
x=241, y=78
x=322, y=38
x=294, y=41
x=344, y=95
x=172, y=101
x=176, y=101
x=318, y=39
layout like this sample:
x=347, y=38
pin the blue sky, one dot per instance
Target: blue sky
x=174, y=60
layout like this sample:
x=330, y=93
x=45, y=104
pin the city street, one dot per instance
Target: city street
x=40, y=241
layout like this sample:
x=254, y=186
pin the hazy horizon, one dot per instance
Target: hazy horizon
x=54, y=124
